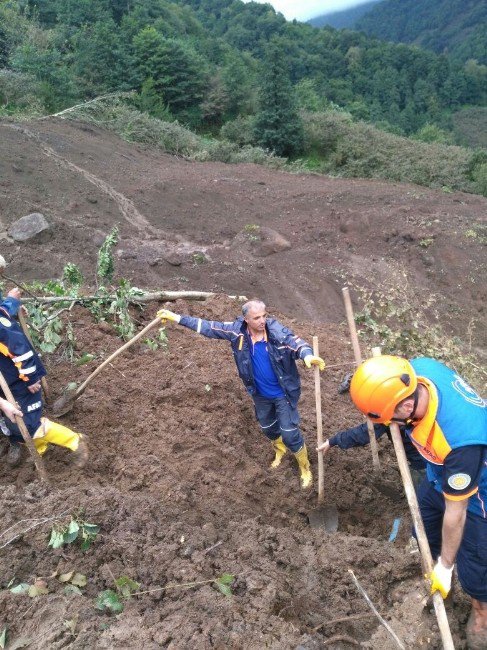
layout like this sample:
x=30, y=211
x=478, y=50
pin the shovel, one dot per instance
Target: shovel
x=65, y=403
x=323, y=516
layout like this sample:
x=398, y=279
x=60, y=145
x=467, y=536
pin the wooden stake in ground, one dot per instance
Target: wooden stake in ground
x=323, y=516
x=358, y=359
x=23, y=430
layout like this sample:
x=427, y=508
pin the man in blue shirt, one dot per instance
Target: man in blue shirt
x=265, y=352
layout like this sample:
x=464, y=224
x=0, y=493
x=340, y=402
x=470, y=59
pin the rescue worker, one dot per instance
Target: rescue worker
x=359, y=437
x=22, y=369
x=446, y=421
x=265, y=352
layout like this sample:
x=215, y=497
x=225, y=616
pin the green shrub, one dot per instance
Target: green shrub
x=361, y=150
x=240, y=130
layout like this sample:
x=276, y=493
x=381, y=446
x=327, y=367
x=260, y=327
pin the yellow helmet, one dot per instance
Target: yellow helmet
x=380, y=383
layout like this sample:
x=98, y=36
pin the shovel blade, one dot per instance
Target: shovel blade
x=64, y=404
x=324, y=517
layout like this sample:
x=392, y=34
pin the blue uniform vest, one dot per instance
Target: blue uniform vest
x=460, y=420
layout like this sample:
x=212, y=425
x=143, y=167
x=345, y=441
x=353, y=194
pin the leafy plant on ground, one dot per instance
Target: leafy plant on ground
x=396, y=320
x=37, y=588
x=160, y=340
x=114, y=307
x=105, y=266
x=75, y=529
x=110, y=304
x=113, y=600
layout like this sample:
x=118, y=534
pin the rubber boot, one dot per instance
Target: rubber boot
x=477, y=626
x=303, y=462
x=57, y=434
x=14, y=455
x=280, y=450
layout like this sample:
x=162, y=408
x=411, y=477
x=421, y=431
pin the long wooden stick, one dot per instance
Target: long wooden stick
x=358, y=359
x=424, y=548
x=154, y=323
x=23, y=430
x=25, y=329
x=319, y=424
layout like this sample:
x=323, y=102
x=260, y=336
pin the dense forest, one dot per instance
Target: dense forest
x=202, y=61
x=347, y=18
x=455, y=27
x=237, y=71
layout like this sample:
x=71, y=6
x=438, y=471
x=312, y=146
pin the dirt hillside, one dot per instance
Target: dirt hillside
x=178, y=477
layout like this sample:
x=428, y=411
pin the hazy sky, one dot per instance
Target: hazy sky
x=305, y=9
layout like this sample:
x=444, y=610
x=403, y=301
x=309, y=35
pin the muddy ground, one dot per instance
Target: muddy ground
x=178, y=477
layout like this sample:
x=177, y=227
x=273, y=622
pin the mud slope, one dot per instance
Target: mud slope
x=173, y=212
x=178, y=477
x=179, y=483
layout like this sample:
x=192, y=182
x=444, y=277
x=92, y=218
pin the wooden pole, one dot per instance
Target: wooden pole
x=426, y=559
x=358, y=360
x=25, y=329
x=319, y=424
x=424, y=548
x=23, y=430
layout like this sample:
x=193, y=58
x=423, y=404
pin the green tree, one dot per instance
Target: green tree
x=100, y=61
x=179, y=74
x=278, y=126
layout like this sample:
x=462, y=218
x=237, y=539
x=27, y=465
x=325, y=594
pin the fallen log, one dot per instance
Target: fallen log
x=143, y=297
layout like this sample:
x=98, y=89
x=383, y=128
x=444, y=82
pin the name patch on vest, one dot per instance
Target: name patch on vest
x=5, y=322
x=459, y=481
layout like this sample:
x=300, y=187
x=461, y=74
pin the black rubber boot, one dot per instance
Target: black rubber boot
x=14, y=455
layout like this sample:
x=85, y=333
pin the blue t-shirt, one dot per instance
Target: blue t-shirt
x=264, y=376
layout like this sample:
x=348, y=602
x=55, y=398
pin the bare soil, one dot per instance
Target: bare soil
x=178, y=476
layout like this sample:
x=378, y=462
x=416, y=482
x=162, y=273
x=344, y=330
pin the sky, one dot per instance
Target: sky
x=306, y=9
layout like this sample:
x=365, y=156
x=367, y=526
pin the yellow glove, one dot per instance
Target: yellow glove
x=165, y=314
x=440, y=578
x=311, y=360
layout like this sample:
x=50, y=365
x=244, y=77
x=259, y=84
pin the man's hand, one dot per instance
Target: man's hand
x=441, y=578
x=165, y=314
x=311, y=360
x=14, y=293
x=34, y=388
x=324, y=447
x=9, y=410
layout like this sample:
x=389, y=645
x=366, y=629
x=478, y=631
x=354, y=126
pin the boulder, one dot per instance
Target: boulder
x=270, y=242
x=31, y=226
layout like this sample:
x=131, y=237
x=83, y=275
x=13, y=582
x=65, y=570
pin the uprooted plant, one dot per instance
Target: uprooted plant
x=110, y=303
x=113, y=600
x=75, y=529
